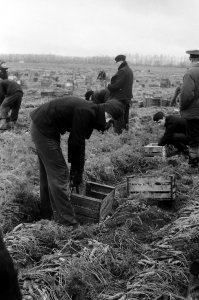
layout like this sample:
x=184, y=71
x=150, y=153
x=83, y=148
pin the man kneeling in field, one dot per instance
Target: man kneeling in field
x=175, y=132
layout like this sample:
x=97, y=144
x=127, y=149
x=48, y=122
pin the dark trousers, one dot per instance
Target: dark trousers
x=123, y=121
x=193, y=132
x=12, y=103
x=179, y=141
x=54, y=177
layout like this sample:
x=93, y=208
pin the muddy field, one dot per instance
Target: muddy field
x=143, y=248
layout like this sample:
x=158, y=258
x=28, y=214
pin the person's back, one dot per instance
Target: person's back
x=9, y=87
x=176, y=124
x=175, y=131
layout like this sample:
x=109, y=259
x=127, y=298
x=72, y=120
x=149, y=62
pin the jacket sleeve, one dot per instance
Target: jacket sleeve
x=187, y=92
x=81, y=130
x=118, y=81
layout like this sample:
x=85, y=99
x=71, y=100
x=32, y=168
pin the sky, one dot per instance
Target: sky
x=99, y=27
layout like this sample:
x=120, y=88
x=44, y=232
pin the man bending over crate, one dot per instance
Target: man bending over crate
x=49, y=122
x=175, y=132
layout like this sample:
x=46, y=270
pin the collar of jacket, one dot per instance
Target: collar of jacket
x=195, y=64
x=124, y=64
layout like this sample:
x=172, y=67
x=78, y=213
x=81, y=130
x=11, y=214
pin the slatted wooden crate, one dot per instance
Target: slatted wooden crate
x=152, y=188
x=153, y=150
x=47, y=93
x=152, y=101
x=94, y=204
x=165, y=102
x=165, y=82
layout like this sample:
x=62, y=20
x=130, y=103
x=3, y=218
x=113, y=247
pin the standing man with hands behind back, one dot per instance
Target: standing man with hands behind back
x=120, y=89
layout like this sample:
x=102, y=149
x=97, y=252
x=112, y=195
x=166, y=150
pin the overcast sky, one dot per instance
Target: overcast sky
x=99, y=27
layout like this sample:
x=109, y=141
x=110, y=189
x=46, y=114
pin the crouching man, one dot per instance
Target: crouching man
x=11, y=95
x=175, y=132
x=49, y=122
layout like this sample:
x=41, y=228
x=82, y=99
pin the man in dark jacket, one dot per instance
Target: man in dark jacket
x=175, y=131
x=189, y=105
x=11, y=95
x=3, y=70
x=120, y=88
x=49, y=122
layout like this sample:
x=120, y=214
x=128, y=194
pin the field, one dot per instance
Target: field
x=143, y=249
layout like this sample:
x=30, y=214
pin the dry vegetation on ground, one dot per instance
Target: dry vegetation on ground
x=141, y=251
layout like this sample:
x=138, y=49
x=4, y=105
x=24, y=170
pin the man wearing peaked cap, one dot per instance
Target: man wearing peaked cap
x=120, y=88
x=193, y=53
x=189, y=105
x=120, y=57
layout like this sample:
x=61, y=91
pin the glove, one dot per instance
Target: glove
x=75, y=178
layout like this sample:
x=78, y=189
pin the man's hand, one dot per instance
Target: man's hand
x=75, y=179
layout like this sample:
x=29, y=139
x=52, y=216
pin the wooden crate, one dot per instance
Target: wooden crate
x=152, y=101
x=152, y=188
x=165, y=82
x=94, y=204
x=153, y=150
x=165, y=102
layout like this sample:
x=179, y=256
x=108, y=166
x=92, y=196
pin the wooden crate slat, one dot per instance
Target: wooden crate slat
x=149, y=180
x=86, y=219
x=99, y=187
x=107, y=204
x=85, y=201
x=153, y=195
x=96, y=195
x=83, y=211
x=150, y=188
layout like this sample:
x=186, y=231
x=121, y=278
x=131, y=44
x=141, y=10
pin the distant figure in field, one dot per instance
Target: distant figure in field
x=175, y=132
x=11, y=95
x=101, y=75
x=120, y=88
x=3, y=70
x=9, y=286
x=175, y=96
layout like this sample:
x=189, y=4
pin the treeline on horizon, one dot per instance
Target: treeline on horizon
x=136, y=59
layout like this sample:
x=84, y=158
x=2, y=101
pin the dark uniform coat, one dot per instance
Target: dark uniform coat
x=189, y=97
x=189, y=103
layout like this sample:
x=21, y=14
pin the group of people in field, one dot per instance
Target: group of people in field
x=79, y=118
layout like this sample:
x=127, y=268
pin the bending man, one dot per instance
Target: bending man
x=49, y=122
